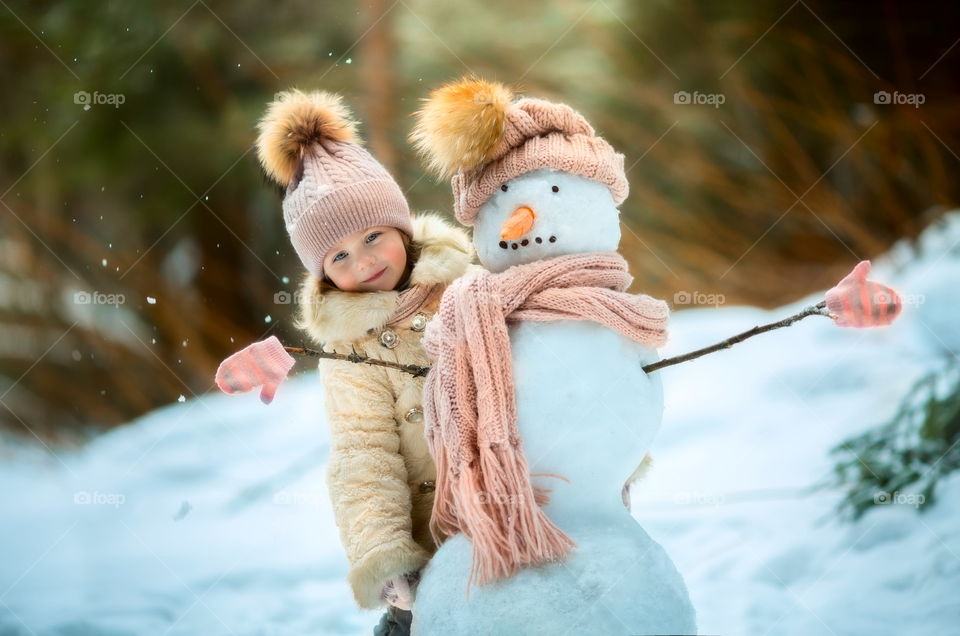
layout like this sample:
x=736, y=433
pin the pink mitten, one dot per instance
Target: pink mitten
x=858, y=302
x=397, y=592
x=263, y=363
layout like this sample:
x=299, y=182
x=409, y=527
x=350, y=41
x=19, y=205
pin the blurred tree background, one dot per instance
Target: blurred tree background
x=139, y=243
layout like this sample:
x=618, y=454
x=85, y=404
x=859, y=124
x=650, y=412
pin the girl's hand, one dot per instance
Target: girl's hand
x=263, y=363
x=399, y=591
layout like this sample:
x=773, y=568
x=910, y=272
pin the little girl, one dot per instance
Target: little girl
x=375, y=277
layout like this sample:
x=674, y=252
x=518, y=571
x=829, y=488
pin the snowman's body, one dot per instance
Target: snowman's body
x=585, y=411
x=589, y=422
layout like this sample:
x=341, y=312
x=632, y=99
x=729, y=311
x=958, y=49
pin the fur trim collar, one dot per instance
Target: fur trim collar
x=335, y=316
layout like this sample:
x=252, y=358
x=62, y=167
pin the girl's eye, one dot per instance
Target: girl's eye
x=339, y=256
x=373, y=236
x=504, y=187
x=555, y=188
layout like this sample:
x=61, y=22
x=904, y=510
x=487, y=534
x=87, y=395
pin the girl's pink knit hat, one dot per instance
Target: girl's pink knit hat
x=474, y=131
x=309, y=145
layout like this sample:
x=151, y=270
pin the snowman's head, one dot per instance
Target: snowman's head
x=543, y=214
x=531, y=176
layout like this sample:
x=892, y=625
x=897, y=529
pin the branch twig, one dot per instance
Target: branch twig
x=814, y=310
x=417, y=371
x=413, y=369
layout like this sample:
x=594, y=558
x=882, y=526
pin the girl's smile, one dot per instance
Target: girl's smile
x=376, y=276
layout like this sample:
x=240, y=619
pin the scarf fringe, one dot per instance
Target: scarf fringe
x=501, y=516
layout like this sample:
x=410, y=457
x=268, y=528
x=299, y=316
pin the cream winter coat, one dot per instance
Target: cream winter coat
x=381, y=476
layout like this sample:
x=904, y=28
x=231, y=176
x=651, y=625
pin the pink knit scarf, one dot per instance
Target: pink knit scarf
x=483, y=486
x=410, y=300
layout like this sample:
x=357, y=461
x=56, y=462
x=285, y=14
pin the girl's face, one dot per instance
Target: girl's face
x=369, y=260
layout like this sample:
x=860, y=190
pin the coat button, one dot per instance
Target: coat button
x=388, y=339
x=419, y=322
x=428, y=486
x=414, y=415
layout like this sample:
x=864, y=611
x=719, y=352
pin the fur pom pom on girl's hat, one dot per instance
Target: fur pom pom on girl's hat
x=308, y=144
x=475, y=132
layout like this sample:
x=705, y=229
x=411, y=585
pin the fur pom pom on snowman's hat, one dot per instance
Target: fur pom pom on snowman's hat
x=477, y=133
x=461, y=124
x=294, y=121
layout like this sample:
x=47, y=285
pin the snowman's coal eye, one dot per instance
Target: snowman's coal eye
x=555, y=189
x=504, y=187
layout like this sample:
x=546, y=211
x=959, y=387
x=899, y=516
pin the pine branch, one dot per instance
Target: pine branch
x=820, y=309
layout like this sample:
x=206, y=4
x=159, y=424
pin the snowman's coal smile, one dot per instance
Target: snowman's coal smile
x=525, y=242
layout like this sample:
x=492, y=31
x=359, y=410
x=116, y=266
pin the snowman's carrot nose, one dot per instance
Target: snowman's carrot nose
x=518, y=224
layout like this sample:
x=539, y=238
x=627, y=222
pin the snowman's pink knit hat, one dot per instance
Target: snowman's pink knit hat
x=473, y=131
x=308, y=144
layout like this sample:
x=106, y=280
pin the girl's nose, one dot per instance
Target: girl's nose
x=368, y=263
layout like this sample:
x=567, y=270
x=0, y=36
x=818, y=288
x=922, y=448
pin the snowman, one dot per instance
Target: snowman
x=537, y=406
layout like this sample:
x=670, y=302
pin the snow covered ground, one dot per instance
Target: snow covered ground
x=747, y=431
x=211, y=516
